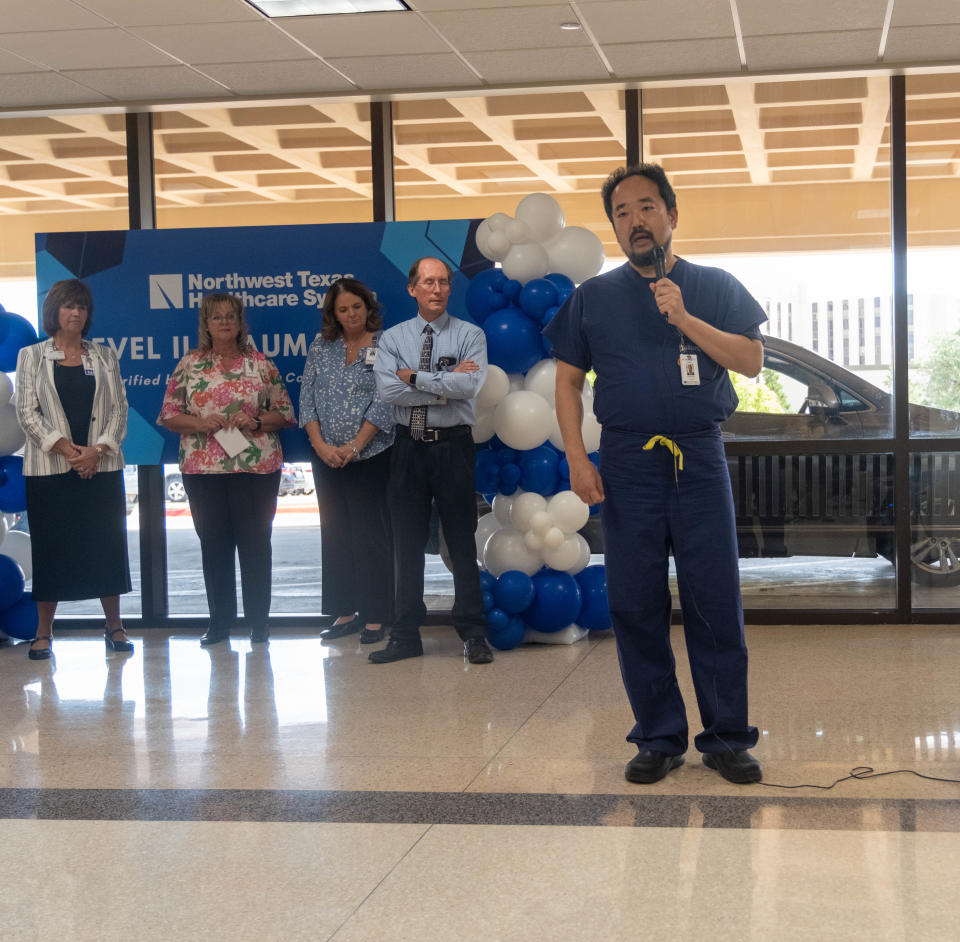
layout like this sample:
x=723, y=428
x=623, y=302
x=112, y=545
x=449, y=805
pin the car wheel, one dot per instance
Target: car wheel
x=174, y=489
x=936, y=561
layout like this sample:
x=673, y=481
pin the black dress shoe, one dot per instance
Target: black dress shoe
x=397, y=651
x=736, y=766
x=260, y=635
x=477, y=651
x=214, y=637
x=113, y=643
x=372, y=635
x=41, y=654
x=341, y=631
x=649, y=766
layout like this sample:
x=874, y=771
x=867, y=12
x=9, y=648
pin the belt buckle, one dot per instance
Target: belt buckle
x=431, y=435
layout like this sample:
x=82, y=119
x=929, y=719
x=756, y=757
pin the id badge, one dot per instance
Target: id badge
x=689, y=369
x=54, y=354
x=249, y=368
x=370, y=357
x=87, y=367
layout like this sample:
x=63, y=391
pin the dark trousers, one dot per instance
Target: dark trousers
x=651, y=508
x=355, y=540
x=421, y=473
x=233, y=516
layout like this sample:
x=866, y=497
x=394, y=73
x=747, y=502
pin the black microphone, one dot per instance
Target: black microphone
x=659, y=262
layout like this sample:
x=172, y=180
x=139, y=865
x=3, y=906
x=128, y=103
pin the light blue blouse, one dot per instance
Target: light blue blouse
x=341, y=397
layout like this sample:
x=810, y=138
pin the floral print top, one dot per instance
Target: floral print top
x=341, y=397
x=200, y=385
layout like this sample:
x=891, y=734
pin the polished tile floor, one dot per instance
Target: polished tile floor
x=299, y=792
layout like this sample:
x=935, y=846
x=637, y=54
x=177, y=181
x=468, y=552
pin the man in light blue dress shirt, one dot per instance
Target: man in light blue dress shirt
x=431, y=368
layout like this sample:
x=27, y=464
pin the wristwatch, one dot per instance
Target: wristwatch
x=413, y=379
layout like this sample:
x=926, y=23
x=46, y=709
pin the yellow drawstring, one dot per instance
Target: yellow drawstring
x=672, y=446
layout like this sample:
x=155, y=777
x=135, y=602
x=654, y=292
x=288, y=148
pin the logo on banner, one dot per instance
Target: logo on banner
x=166, y=291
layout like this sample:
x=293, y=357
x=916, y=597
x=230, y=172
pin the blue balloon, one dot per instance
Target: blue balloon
x=505, y=455
x=509, y=478
x=513, y=340
x=549, y=314
x=536, y=296
x=556, y=603
x=11, y=582
x=538, y=470
x=13, y=485
x=497, y=620
x=563, y=285
x=487, y=472
x=594, y=612
x=16, y=332
x=514, y=591
x=20, y=620
x=487, y=580
x=511, y=289
x=485, y=294
x=508, y=637
x=488, y=602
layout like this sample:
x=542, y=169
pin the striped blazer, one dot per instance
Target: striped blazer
x=43, y=420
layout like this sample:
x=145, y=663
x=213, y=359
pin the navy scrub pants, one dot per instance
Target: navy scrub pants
x=651, y=508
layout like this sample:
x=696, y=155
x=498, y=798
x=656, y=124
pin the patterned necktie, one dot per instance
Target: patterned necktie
x=418, y=414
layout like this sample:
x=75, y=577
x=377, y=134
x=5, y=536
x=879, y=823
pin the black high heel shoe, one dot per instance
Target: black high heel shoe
x=114, y=645
x=342, y=630
x=41, y=654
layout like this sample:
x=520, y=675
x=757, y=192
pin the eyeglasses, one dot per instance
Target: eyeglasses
x=221, y=318
x=435, y=282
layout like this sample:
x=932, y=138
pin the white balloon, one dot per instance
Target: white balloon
x=576, y=253
x=483, y=429
x=495, y=387
x=541, y=522
x=501, y=506
x=497, y=222
x=523, y=420
x=4, y=526
x=482, y=238
x=566, y=557
x=506, y=550
x=497, y=246
x=526, y=261
x=516, y=381
x=11, y=435
x=555, y=438
x=568, y=511
x=16, y=545
x=518, y=231
x=524, y=508
x=590, y=430
x=533, y=540
x=584, y=560
x=6, y=388
x=541, y=378
x=554, y=537
x=486, y=526
x=542, y=213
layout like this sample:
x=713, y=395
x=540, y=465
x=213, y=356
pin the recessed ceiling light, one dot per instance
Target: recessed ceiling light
x=569, y=25
x=275, y=8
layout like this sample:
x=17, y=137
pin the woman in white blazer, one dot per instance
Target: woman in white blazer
x=72, y=406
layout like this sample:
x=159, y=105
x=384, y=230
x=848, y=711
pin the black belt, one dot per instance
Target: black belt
x=431, y=435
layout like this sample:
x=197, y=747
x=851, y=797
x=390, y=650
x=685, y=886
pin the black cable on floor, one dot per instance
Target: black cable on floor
x=864, y=772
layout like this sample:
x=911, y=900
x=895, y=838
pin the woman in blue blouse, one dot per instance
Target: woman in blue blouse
x=351, y=431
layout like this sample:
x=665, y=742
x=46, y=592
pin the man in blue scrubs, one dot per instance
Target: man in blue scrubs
x=661, y=348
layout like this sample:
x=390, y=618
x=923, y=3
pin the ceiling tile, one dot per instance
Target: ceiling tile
x=167, y=12
x=223, y=42
x=365, y=34
x=510, y=28
x=812, y=50
x=149, y=84
x=637, y=21
x=763, y=18
x=11, y=63
x=411, y=72
x=42, y=14
x=537, y=65
x=923, y=44
x=431, y=5
x=46, y=88
x=643, y=60
x=84, y=49
x=277, y=78
x=926, y=13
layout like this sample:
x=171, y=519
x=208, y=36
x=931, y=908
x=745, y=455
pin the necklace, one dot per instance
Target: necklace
x=353, y=347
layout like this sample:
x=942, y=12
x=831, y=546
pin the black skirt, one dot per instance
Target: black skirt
x=78, y=536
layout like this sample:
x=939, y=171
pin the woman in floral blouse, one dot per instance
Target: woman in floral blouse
x=219, y=392
x=351, y=431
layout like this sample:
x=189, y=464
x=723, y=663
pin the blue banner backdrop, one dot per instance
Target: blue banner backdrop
x=147, y=286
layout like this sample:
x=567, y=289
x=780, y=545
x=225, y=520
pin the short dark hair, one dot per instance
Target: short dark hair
x=70, y=291
x=653, y=172
x=332, y=328
x=204, y=341
x=414, y=272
